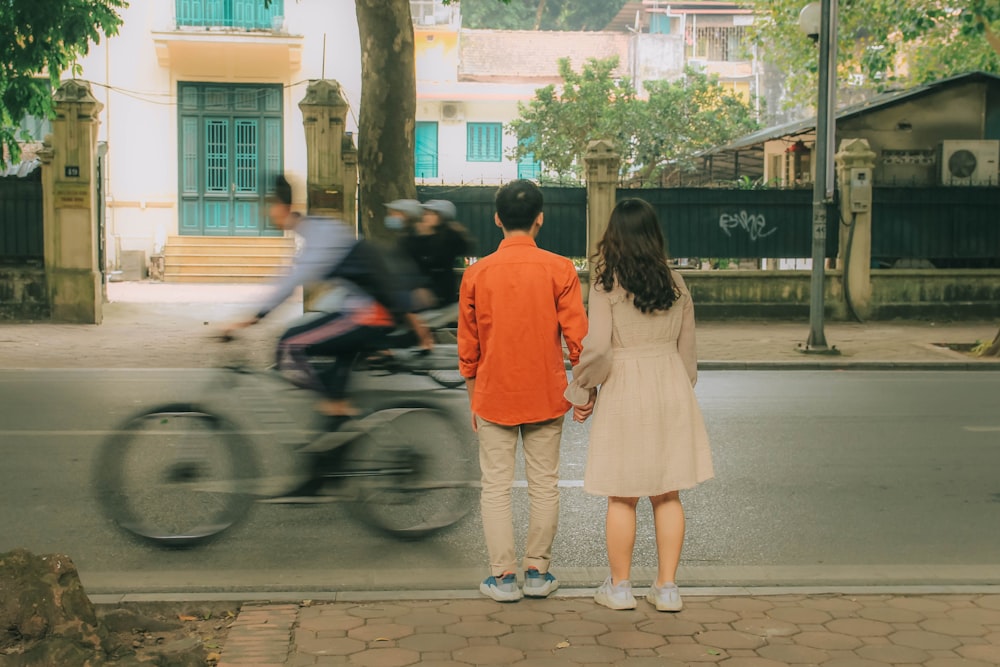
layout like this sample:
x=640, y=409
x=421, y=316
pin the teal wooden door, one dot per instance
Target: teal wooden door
x=230, y=151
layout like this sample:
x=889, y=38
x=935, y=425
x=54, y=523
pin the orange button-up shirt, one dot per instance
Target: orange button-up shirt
x=515, y=307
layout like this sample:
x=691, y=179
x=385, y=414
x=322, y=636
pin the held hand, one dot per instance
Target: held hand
x=475, y=424
x=582, y=412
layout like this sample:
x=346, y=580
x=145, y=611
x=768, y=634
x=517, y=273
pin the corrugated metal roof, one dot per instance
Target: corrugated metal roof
x=877, y=102
x=21, y=169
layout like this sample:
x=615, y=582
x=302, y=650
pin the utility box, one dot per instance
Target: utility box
x=133, y=265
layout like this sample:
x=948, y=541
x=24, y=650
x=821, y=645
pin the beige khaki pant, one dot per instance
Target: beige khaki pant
x=497, y=449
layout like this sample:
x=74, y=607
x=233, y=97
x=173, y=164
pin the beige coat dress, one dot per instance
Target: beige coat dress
x=647, y=435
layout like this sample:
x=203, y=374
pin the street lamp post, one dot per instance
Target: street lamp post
x=826, y=30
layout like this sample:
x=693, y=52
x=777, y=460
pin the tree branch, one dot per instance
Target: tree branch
x=992, y=38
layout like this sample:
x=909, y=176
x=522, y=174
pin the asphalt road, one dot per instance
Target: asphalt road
x=821, y=477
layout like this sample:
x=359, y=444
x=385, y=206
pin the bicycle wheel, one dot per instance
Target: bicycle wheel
x=412, y=471
x=175, y=475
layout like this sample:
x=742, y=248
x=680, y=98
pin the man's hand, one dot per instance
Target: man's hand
x=582, y=412
x=470, y=385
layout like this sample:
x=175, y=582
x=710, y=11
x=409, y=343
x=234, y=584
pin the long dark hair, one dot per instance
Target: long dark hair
x=633, y=254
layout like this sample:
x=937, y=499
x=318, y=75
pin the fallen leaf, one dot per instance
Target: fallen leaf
x=213, y=657
x=306, y=603
x=562, y=645
x=381, y=639
x=186, y=618
x=712, y=651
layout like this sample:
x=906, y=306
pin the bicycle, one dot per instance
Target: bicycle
x=180, y=474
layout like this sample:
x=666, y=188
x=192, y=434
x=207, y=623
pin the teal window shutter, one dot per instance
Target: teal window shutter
x=425, y=149
x=245, y=14
x=484, y=142
x=527, y=166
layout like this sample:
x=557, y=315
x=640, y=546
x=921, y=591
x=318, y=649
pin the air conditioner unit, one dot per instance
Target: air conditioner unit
x=971, y=162
x=452, y=111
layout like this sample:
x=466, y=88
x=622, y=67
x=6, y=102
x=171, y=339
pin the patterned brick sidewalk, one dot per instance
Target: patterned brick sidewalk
x=759, y=631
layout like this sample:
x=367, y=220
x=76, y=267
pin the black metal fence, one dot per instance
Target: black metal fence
x=949, y=226
x=21, y=225
x=565, y=228
x=711, y=222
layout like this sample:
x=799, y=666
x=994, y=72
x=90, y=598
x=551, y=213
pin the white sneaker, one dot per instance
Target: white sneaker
x=615, y=596
x=665, y=598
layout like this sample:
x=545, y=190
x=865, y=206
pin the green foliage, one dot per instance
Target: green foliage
x=678, y=119
x=44, y=38
x=882, y=43
x=523, y=14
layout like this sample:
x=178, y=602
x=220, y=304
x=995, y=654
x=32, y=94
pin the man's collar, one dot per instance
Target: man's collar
x=520, y=239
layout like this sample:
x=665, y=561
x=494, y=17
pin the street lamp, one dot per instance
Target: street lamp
x=819, y=21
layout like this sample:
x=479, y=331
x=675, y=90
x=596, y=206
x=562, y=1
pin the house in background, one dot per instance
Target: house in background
x=942, y=133
x=200, y=111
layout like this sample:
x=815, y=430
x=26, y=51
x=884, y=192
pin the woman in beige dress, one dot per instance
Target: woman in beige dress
x=648, y=437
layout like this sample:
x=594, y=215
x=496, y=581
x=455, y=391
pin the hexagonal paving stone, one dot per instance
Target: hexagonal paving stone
x=442, y=663
x=370, y=633
x=993, y=638
x=433, y=641
x=532, y=641
x=956, y=662
x=741, y=604
x=893, y=654
x=422, y=618
x=831, y=604
x=949, y=626
x=488, y=655
x=791, y=653
x=611, y=616
x=708, y=615
x=330, y=646
x=629, y=639
x=692, y=653
x=521, y=617
x=920, y=604
x=766, y=627
x=649, y=662
x=591, y=654
x=891, y=615
x=478, y=629
x=975, y=615
x=575, y=628
x=929, y=641
x=545, y=662
x=799, y=615
x=325, y=623
x=852, y=662
x=827, y=640
x=385, y=657
x=729, y=639
x=377, y=611
x=470, y=607
x=858, y=627
x=984, y=653
x=988, y=602
x=669, y=625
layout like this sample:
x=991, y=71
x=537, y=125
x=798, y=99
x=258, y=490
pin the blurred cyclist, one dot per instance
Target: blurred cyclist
x=361, y=308
x=436, y=242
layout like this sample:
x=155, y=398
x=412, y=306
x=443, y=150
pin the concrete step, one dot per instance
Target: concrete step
x=227, y=258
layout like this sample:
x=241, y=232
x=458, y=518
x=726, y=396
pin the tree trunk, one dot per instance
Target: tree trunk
x=388, y=107
x=539, y=15
x=992, y=38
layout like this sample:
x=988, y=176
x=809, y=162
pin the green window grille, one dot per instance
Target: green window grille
x=484, y=142
x=241, y=14
x=425, y=149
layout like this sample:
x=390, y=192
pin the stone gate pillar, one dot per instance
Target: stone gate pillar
x=69, y=191
x=855, y=165
x=331, y=157
x=602, y=164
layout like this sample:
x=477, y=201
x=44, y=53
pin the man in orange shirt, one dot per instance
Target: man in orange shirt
x=515, y=307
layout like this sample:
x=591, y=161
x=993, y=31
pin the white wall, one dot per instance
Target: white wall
x=139, y=119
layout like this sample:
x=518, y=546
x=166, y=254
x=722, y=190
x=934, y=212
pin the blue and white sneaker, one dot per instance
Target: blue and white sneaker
x=501, y=589
x=538, y=585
